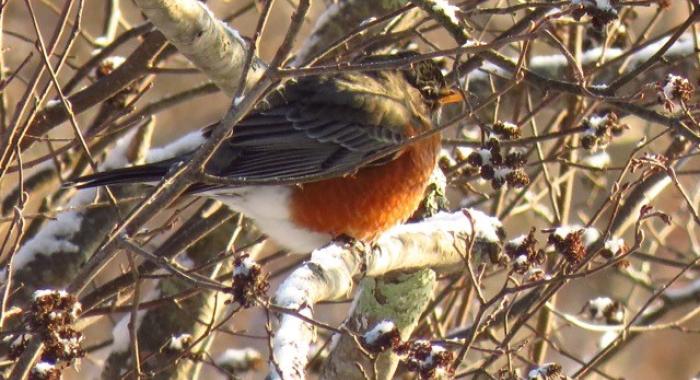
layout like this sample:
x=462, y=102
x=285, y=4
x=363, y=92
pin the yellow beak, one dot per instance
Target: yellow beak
x=452, y=96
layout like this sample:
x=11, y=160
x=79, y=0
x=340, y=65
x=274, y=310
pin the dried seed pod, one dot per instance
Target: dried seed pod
x=518, y=178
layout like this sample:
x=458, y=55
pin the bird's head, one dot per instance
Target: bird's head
x=426, y=76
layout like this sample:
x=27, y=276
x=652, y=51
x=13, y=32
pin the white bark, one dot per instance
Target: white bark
x=438, y=243
x=211, y=45
x=400, y=299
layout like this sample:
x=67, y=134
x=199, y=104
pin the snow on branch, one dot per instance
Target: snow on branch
x=447, y=15
x=690, y=291
x=554, y=64
x=57, y=234
x=167, y=323
x=240, y=360
x=62, y=245
x=120, y=331
x=551, y=63
x=438, y=242
x=211, y=45
x=182, y=145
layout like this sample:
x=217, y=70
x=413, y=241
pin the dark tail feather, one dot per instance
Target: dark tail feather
x=134, y=174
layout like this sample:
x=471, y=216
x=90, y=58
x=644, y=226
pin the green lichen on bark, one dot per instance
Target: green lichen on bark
x=400, y=298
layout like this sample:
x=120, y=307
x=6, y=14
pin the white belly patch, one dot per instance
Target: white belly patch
x=269, y=207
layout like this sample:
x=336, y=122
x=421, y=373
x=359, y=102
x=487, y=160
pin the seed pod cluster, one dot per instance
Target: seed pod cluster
x=500, y=165
x=600, y=130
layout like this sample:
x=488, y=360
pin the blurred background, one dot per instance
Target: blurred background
x=666, y=354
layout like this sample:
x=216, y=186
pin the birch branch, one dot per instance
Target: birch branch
x=211, y=45
x=400, y=299
x=438, y=242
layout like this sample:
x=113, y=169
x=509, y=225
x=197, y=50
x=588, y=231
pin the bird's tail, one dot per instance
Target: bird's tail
x=134, y=174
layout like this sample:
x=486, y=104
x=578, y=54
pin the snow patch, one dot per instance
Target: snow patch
x=518, y=241
x=607, y=338
x=449, y=10
x=590, y=235
x=238, y=358
x=485, y=155
x=117, y=157
x=244, y=268
x=487, y=227
x=543, y=372
x=120, y=332
x=43, y=369
x=501, y=173
x=114, y=61
x=615, y=245
x=54, y=236
x=597, y=121
x=598, y=305
x=41, y=293
x=184, y=144
x=53, y=103
x=598, y=160
x=381, y=329
x=179, y=342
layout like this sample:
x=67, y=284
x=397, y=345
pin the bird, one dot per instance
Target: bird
x=344, y=154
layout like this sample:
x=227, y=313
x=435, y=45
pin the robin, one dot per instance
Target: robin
x=350, y=131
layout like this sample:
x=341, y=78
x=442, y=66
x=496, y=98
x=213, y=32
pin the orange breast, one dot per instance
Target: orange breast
x=371, y=201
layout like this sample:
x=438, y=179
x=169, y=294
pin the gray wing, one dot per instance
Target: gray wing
x=322, y=127
x=292, y=143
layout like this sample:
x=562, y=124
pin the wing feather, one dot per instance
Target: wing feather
x=323, y=126
x=306, y=137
